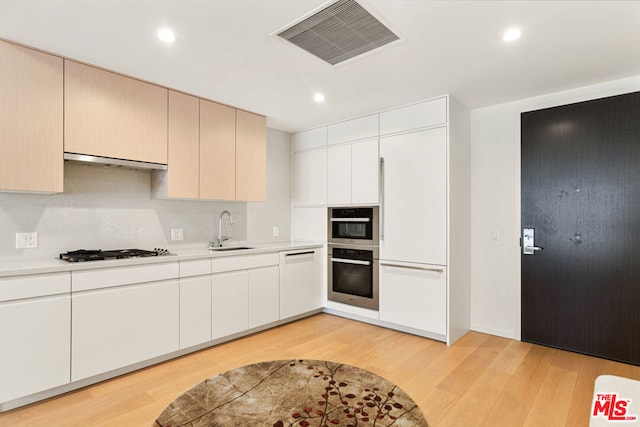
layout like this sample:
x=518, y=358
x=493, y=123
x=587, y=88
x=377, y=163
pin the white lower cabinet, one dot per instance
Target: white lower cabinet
x=36, y=345
x=229, y=303
x=120, y=326
x=264, y=299
x=195, y=310
x=300, y=282
x=414, y=295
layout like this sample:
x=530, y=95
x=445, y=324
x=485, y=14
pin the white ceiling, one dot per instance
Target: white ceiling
x=224, y=50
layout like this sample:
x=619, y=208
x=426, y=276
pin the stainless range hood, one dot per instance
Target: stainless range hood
x=110, y=161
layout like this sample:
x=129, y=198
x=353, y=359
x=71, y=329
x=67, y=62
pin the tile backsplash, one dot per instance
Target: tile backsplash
x=105, y=207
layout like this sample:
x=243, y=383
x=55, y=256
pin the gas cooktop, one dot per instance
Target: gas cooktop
x=82, y=255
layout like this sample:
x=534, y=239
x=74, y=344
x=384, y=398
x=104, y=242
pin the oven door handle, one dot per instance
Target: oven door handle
x=350, y=261
x=350, y=219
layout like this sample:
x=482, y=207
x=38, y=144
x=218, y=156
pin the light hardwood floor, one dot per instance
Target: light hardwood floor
x=481, y=380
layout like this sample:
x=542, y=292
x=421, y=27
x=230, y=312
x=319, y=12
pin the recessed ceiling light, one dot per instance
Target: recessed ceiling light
x=511, y=34
x=319, y=98
x=166, y=35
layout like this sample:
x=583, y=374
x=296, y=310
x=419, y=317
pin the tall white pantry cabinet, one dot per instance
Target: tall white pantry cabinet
x=423, y=190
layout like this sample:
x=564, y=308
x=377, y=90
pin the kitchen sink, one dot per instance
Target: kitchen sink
x=231, y=248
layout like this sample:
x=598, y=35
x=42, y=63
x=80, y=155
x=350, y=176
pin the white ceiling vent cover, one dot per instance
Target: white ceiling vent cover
x=339, y=32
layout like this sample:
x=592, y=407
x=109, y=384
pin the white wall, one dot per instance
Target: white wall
x=110, y=208
x=495, y=204
x=276, y=211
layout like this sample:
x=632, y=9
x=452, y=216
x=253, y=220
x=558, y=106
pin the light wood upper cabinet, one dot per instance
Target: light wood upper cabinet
x=107, y=114
x=181, y=180
x=251, y=157
x=217, y=151
x=31, y=120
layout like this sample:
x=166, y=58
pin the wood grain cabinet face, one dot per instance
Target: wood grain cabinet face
x=110, y=115
x=181, y=180
x=251, y=157
x=31, y=120
x=217, y=151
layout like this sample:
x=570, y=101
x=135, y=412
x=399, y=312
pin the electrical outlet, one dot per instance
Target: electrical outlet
x=276, y=231
x=26, y=240
x=177, y=234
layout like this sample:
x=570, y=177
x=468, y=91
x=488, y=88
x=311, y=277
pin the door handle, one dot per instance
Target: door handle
x=528, y=242
x=411, y=267
x=381, y=197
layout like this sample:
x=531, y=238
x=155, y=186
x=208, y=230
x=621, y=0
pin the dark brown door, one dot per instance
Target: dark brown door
x=581, y=196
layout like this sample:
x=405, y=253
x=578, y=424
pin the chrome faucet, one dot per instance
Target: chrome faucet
x=220, y=237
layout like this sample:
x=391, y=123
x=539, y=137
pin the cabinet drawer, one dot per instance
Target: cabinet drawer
x=351, y=130
x=414, y=295
x=36, y=342
x=219, y=265
x=113, y=328
x=116, y=276
x=415, y=116
x=196, y=267
x=20, y=287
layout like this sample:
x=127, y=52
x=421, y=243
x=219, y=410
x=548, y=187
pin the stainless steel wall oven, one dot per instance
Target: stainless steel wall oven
x=353, y=256
x=354, y=225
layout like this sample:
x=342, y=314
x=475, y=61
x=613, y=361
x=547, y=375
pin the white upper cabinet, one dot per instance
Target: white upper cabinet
x=424, y=114
x=352, y=176
x=339, y=174
x=310, y=185
x=352, y=130
x=364, y=172
x=313, y=138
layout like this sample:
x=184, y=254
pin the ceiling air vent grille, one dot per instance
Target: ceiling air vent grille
x=339, y=32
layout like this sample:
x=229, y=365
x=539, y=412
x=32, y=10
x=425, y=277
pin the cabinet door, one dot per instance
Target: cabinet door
x=251, y=157
x=300, y=282
x=264, y=296
x=195, y=310
x=36, y=353
x=414, y=296
x=310, y=224
x=117, y=327
x=313, y=138
x=353, y=129
x=339, y=174
x=421, y=115
x=107, y=114
x=31, y=120
x=310, y=177
x=414, y=205
x=364, y=172
x=229, y=303
x=217, y=151
x=182, y=179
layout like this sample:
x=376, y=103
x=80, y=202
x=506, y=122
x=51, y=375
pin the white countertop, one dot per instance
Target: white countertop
x=54, y=265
